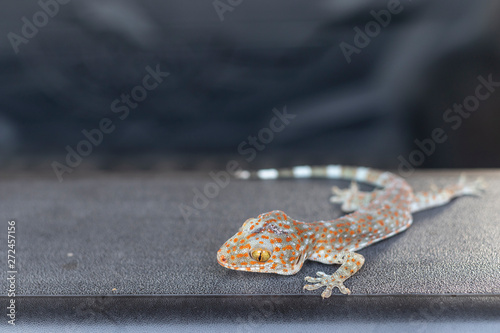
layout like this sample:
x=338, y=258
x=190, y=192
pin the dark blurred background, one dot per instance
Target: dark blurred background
x=358, y=98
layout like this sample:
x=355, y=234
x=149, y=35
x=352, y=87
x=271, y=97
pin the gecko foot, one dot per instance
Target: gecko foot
x=348, y=197
x=328, y=281
x=476, y=187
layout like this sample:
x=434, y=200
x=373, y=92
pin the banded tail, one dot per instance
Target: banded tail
x=358, y=174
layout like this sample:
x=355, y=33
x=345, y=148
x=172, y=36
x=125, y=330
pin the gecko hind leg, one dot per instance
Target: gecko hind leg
x=350, y=262
x=437, y=197
x=351, y=198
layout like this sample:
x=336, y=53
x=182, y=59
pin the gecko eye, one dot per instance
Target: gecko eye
x=260, y=255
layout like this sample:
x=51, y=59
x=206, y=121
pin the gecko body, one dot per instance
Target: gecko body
x=274, y=242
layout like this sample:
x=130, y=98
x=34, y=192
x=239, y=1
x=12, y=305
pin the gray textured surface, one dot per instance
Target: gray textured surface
x=126, y=232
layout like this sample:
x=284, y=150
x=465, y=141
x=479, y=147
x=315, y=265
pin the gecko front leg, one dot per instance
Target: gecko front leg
x=350, y=262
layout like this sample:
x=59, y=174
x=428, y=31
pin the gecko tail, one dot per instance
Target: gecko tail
x=361, y=174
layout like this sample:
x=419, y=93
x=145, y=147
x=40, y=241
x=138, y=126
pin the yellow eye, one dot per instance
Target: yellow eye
x=260, y=255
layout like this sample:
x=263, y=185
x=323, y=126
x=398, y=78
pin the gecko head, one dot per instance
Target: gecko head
x=266, y=244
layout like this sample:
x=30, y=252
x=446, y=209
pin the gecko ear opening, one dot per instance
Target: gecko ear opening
x=298, y=259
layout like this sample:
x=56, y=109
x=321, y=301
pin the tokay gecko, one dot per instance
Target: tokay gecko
x=274, y=242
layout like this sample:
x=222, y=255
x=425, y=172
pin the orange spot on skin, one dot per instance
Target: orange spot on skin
x=232, y=257
x=277, y=249
x=245, y=247
x=380, y=222
x=286, y=226
x=279, y=240
x=239, y=233
x=265, y=237
x=297, y=247
x=288, y=247
x=288, y=239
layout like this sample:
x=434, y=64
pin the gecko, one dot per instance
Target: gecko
x=274, y=242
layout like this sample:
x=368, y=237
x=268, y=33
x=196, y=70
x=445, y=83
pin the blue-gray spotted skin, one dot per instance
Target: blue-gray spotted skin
x=274, y=242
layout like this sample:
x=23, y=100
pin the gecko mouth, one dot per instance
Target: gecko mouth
x=224, y=262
